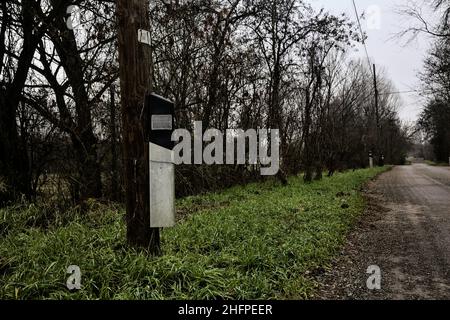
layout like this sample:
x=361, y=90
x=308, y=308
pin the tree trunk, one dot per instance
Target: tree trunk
x=86, y=143
x=13, y=154
x=114, y=165
x=308, y=176
x=135, y=81
x=275, y=119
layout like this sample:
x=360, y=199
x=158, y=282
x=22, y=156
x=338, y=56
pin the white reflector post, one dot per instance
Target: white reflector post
x=162, y=187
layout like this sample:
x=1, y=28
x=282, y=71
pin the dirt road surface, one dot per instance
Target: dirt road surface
x=405, y=232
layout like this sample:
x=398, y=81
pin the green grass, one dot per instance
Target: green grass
x=260, y=241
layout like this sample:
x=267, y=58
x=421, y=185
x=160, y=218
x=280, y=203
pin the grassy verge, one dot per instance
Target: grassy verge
x=261, y=241
x=436, y=164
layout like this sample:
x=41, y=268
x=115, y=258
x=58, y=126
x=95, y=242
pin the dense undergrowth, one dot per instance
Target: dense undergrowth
x=260, y=241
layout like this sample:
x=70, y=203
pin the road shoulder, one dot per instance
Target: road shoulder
x=403, y=232
x=346, y=278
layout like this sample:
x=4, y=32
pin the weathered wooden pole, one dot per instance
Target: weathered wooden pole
x=377, y=116
x=135, y=81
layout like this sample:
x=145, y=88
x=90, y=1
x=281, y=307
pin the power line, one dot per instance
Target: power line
x=362, y=34
x=367, y=51
x=390, y=93
x=400, y=92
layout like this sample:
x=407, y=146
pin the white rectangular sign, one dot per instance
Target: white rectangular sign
x=162, y=122
x=144, y=37
x=162, y=187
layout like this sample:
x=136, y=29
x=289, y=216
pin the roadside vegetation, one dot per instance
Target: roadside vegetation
x=258, y=241
x=436, y=164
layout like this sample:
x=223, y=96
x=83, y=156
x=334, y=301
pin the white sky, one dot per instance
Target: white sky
x=401, y=62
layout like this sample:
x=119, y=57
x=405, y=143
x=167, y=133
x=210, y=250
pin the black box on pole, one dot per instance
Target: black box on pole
x=161, y=120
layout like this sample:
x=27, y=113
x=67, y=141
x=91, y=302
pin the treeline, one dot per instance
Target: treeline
x=244, y=64
x=435, y=119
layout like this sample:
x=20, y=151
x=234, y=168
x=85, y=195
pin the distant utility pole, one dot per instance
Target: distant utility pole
x=377, y=114
x=376, y=95
x=135, y=81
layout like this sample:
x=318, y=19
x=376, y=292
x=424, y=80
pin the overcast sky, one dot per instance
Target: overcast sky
x=402, y=63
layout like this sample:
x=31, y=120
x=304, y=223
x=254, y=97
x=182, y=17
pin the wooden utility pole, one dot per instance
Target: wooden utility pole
x=377, y=112
x=135, y=81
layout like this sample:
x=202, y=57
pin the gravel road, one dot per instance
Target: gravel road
x=406, y=232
